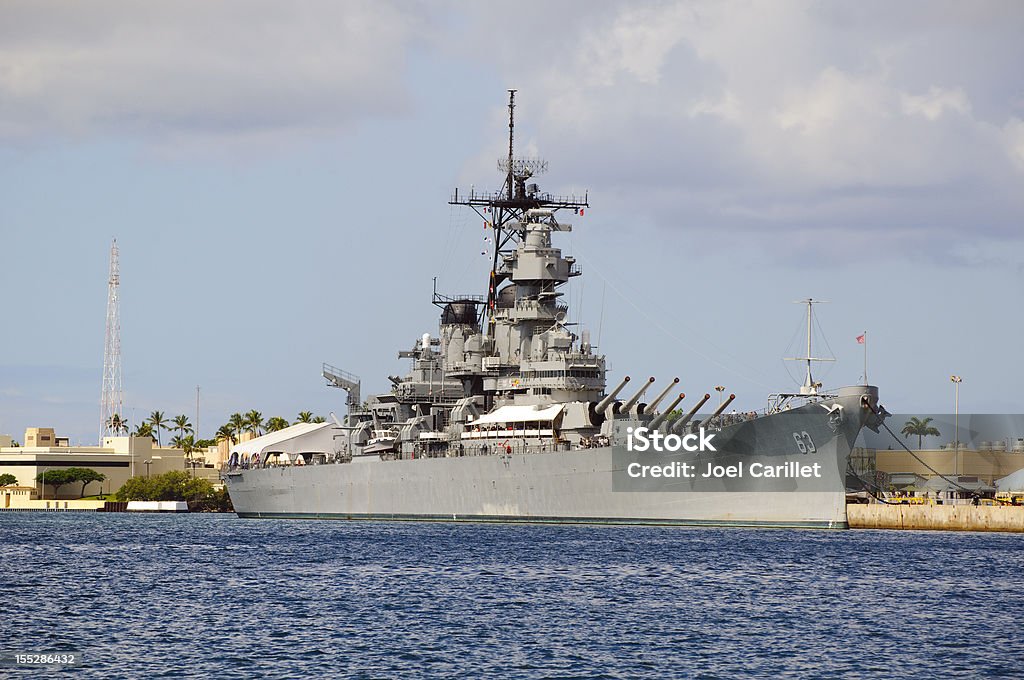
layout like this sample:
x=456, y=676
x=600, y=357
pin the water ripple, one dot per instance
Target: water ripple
x=162, y=596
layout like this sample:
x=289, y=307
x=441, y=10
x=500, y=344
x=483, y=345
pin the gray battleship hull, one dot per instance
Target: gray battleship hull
x=580, y=486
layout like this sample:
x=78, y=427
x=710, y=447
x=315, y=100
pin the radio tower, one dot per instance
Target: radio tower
x=112, y=399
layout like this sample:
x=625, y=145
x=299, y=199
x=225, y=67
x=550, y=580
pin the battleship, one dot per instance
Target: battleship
x=505, y=415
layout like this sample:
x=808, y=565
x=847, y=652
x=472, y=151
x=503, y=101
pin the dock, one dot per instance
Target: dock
x=936, y=517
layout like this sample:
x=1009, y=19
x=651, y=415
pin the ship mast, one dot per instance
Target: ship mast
x=505, y=211
x=809, y=388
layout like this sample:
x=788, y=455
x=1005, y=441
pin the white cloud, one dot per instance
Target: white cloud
x=936, y=102
x=862, y=117
x=198, y=68
x=783, y=116
x=1014, y=133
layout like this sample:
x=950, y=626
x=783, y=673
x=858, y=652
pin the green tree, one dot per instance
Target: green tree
x=276, y=423
x=117, y=424
x=144, y=430
x=84, y=475
x=7, y=479
x=158, y=421
x=170, y=486
x=304, y=417
x=181, y=425
x=188, y=446
x=920, y=429
x=254, y=422
x=226, y=432
x=55, y=478
x=237, y=423
x=319, y=419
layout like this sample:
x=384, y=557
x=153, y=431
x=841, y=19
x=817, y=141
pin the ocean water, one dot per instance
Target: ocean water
x=141, y=596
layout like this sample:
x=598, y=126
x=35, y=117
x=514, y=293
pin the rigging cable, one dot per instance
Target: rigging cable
x=918, y=458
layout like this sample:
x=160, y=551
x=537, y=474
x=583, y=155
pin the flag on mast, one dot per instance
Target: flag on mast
x=860, y=339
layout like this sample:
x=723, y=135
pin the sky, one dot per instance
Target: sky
x=277, y=177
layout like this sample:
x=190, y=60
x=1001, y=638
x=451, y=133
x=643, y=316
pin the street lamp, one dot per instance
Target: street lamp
x=956, y=380
x=720, y=389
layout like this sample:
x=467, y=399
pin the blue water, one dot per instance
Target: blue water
x=220, y=597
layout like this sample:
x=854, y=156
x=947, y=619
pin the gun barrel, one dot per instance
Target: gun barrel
x=636, y=397
x=607, y=401
x=664, y=393
x=660, y=418
x=722, y=407
x=678, y=425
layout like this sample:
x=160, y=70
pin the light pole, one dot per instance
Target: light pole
x=721, y=390
x=956, y=380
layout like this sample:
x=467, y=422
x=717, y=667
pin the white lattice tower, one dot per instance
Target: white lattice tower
x=112, y=397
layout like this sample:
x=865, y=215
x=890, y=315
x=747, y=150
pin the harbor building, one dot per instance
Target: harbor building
x=921, y=472
x=119, y=458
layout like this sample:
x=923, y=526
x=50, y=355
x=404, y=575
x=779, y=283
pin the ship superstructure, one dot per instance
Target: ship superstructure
x=506, y=414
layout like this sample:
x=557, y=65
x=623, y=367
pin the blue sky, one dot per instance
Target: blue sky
x=277, y=178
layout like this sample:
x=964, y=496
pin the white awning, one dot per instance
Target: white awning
x=301, y=438
x=1012, y=482
x=519, y=414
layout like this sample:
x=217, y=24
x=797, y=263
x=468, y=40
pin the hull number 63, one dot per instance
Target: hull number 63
x=803, y=442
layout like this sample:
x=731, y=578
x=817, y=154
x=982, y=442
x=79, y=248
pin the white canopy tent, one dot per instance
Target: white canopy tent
x=289, y=442
x=1012, y=482
x=519, y=414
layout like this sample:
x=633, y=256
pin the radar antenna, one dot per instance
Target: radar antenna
x=504, y=211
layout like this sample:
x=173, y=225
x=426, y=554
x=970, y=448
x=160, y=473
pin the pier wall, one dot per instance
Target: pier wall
x=936, y=517
x=52, y=505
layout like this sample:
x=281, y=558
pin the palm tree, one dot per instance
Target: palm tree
x=144, y=430
x=276, y=423
x=304, y=417
x=237, y=423
x=117, y=424
x=319, y=419
x=226, y=432
x=188, y=447
x=158, y=421
x=254, y=422
x=181, y=426
x=921, y=428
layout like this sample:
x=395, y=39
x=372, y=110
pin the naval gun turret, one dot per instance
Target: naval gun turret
x=680, y=423
x=649, y=408
x=660, y=418
x=721, y=407
x=636, y=397
x=603, y=405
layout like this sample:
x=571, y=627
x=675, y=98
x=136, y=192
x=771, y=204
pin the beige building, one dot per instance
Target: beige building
x=120, y=458
x=987, y=464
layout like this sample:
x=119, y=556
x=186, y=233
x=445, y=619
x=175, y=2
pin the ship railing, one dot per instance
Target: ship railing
x=442, y=298
x=485, y=197
x=335, y=371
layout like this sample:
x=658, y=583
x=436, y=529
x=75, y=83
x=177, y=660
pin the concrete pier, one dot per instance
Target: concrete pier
x=936, y=517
